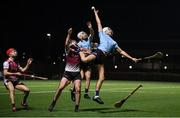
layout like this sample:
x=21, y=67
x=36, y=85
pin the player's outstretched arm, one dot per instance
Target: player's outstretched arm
x=98, y=21
x=122, y=52
x=91, y=30
x=68, y=37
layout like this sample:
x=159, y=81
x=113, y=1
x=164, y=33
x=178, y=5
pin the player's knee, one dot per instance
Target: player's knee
x=11, y=90
x=88, y=77
x=78, y=90
x=101, y=77
x=102, y=80
x=60, y=89
x=27, y=91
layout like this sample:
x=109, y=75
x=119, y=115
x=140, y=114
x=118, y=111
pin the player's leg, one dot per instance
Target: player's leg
x=26, y=90
x=63, y=83
x=82, y=73
x=77, y=84
x=9, y=85
x=72, y=90
x=87, y=77
x=101, y=77
x=88, y=58
x=99, y=84
x=73, y=87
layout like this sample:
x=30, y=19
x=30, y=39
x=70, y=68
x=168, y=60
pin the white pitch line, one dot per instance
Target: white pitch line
x=107, y=90
x=31, y=92
x=42, y=92
x=39, y=92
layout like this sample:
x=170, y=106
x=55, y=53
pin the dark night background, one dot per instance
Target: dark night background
x=141, y=27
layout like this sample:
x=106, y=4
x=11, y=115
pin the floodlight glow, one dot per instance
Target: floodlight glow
x=130, y=67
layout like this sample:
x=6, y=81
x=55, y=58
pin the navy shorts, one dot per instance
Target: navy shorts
x=85, y=66
x=100, y=56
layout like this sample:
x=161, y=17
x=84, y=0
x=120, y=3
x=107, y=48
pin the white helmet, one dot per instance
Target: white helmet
x=105, y=29
x=108, y=31
x=80, y=33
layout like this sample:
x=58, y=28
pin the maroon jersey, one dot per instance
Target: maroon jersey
x=72, y=62
x=12, y=66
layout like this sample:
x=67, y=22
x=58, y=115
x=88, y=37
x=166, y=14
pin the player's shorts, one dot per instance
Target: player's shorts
x=85, y=66
x=100, y=56
x=72, y=76
x=14, y=82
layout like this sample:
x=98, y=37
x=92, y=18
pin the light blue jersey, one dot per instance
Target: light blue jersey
x=85, y=44
x=106, y=43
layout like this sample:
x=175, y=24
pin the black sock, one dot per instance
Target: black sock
x=53, y=103
x=86, y=91
x=25, y=96
x=97, y=93
x=77, y=107
x=74, y=89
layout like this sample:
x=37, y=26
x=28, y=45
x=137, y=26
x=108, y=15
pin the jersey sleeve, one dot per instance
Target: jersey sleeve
x=5, y=65
x=79, y=44
x=116, y=45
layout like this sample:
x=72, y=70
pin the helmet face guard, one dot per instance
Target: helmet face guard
x=73, y=44
x=73, y=47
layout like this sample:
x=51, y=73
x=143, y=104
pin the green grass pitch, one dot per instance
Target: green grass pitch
x=154, y=99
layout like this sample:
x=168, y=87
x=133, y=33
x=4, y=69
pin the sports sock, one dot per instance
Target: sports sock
x=53, y=103
x=97, y=93
x=25, y=96
x=86, y=91
x=74, y=89
x=76, y=108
